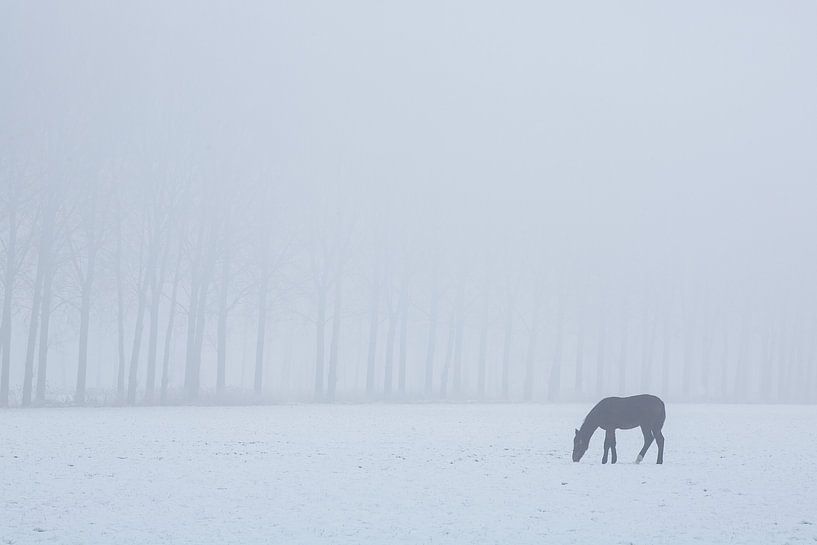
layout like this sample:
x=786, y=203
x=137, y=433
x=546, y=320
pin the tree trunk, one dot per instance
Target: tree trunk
x=689, y=352
x=85, y=314
x=8, y=294
x=137, y=337
x=221, y=351
x=506, y=349
x=783, y=342
x=157, y=285
x=334, y=345
x=37, y=304
x=458, y=343
x=706, y=363
x=622, y=355
x=666, y=357
x=800, y=359
x=767, y=362
x=261, y=334
x=579, y=377
x=482, y=359
x=33, y=325
x=320, y=343
x=45, y=320
x=555, y=383
x=153, y=341
x=404, y=304
x=46, y=251
x=741, y=370
x=810, y=383
x=648, y=345
x=201, y=322
x=190, y=384
x=206, y=270
x=389, y=358
x=190, y=345
x=600, y=353
x=725, y=364
x=169, y=330
x=530, y=358
x=120, y=316
x=449, y=354
x=374, y=318
x=432, y=332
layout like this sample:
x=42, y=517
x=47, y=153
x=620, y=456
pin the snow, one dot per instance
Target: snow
x=402, y=474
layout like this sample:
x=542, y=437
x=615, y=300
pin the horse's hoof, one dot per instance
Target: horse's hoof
x=639, y=459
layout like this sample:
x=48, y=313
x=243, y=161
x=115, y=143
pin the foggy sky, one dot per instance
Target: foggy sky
x=639, y=145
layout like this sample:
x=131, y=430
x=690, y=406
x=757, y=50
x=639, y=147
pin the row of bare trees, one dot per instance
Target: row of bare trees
x=176, y=280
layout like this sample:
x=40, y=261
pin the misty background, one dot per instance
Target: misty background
x=211, y=202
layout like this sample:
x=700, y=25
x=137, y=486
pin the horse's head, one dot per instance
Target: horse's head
x=579, y=446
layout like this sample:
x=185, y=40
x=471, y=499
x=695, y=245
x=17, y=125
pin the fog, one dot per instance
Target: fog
x=366, y=201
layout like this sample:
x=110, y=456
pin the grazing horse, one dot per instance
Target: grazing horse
x=624, y=413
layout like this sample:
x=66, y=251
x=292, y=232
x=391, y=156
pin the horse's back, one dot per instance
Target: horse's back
x=630, y=412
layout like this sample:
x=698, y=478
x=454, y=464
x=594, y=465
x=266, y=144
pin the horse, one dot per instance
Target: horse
x=624, y=413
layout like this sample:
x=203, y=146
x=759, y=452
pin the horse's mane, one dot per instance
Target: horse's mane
x=586, y=418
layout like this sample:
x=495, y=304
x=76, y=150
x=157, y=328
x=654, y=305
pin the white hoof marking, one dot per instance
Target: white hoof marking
x=639, y=459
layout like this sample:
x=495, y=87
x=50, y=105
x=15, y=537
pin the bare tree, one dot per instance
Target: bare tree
x=449, y=353
x=581, y=318
x=44, y=258
x=261, y=326
x=392, y=313
x=533, y=340
x=601, y=350
x=327, y=261
x=374, y=320
x=170, y=323
x=145, y=272
x=507, y=343
x=223, y=311
x=16, y=250
x=649, y=326
x=120, y=305
x=622, y=353
x=666, y=364
x=403, y=312
x=334, y=346
x=157, y=281
x=84, y=259
x=554, y=384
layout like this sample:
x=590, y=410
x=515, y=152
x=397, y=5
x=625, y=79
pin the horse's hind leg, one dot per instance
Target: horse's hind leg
x=648, y=437
x=659, y=437
x=659, y=440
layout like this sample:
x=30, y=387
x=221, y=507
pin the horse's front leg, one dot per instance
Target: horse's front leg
x=613, y=446
x=606, y=448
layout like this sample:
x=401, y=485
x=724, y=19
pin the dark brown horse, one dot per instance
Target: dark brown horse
x=625, y=413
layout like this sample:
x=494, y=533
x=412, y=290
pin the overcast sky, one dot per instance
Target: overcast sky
x=690, y=125
x=617, y=136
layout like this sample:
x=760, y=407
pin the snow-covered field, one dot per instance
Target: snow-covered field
x=384, y=474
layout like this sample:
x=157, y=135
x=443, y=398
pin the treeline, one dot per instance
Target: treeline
x=133, y=284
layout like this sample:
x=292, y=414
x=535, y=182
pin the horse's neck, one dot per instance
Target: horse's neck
x=589, y=427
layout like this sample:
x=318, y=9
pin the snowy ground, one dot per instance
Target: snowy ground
x=385, y=474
